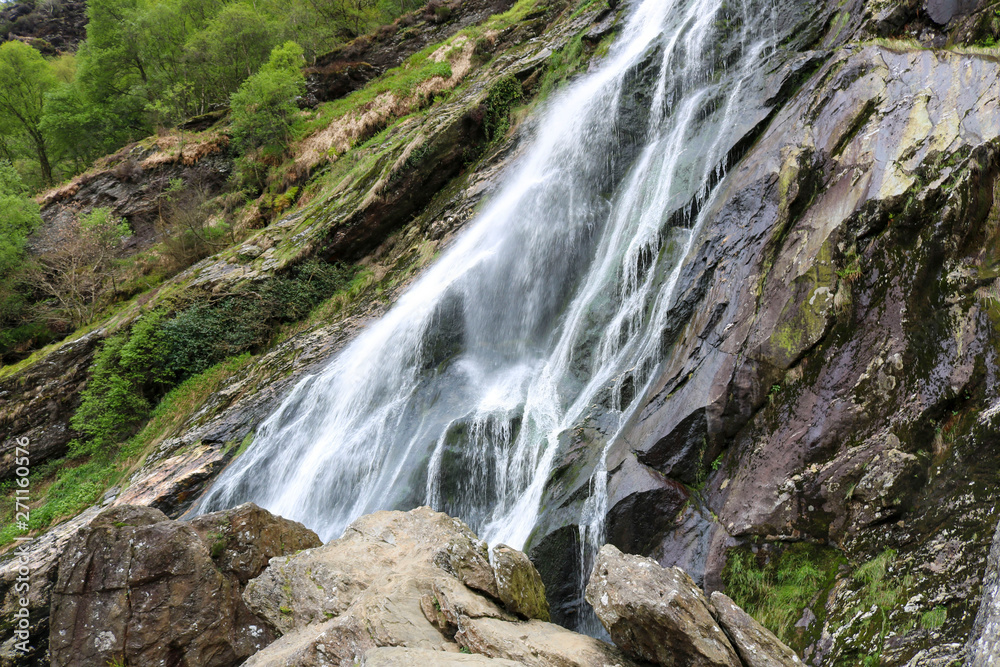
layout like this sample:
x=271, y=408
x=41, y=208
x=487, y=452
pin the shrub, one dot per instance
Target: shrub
x=264, y=106
x=502, y=96
x=206, y=333
x=133, y=370
x=187, y=225
x=79, y=275
x=128, y=374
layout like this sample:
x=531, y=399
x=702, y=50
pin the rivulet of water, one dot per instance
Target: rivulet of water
x=557, y=293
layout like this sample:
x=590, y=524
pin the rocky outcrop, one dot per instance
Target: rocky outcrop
x=659, y=615
x=136, y=587
x=656, y=614
x=127, y=584
x=132, y=182
x=394, y=656
x=756, y=645
x=243, y=540
x=350, y=67
x=419, y=580
x=39, y=562
x=38, y=403
x=52, y=28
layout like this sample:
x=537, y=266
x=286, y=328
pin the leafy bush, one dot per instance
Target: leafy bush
x=133, y=370
x=127, y=376
x=208, y=332
x=264, y=106
x=502, y=96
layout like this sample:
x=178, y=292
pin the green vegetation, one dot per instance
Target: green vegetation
x=852, y=268
x=246, y=319
x=25, y=78
x=153, y=63
x=879, y=593
x=19, y=217
x=65, y=487
x=128, y=375
x=933, y=619
x=146, y=381
x=502, y=96
x=263, y=107
x=133, y=370
x=878, y=590
x=775, y=590
x=263, y=110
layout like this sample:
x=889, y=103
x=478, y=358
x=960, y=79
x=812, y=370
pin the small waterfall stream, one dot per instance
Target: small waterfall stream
x=553, y=300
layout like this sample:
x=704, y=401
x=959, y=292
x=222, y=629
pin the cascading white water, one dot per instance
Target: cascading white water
x=555, y=298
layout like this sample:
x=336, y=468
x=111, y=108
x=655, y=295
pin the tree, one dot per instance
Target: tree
x=79, y=274
x=353, y=17
x=264, y=106
x=25, y=78
x=231, y=47
x=19, y=216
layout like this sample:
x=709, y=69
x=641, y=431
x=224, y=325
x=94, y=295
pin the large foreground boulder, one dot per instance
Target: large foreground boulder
x=136, y=587
x=420, y=581
x=659, y=615
x=39, y=561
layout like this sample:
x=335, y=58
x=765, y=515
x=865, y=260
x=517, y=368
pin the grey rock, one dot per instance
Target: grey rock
x=518, y=583
x=756, y=645
x=656, y=614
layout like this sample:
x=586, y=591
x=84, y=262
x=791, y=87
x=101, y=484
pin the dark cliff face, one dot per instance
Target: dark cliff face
x=829, y=390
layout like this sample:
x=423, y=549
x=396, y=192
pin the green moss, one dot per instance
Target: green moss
x=803, y=323
x=245, y=444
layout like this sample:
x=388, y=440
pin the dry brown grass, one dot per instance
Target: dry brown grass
x=175, y=147
x=338, y=137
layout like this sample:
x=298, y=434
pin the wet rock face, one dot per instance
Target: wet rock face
x=137, y=587
x=841, y=372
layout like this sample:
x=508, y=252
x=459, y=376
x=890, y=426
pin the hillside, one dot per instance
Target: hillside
x=50, y=27
x=781, y=379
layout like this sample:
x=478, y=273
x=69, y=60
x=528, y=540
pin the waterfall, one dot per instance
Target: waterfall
x=552, y=301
